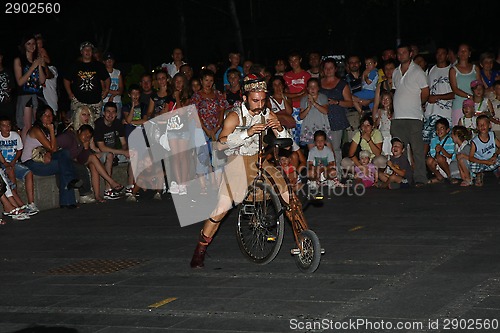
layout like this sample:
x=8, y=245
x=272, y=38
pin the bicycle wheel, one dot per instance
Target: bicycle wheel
x=261, y=224
x=308, y=259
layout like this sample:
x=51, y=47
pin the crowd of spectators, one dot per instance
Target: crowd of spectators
x=362, y=125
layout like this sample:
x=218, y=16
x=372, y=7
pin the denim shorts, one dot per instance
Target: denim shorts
x=20, y=171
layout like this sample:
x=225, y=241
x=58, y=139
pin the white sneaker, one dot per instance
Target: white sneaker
x=19, y=215
x=86, y=199
x=313, y=185
x=174, y=188
x=157, y=196
x=31, y=209
x=183, y=190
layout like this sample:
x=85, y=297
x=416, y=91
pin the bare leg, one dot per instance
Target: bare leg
x=96, y=182
x=30, y=188
x=108, y=165
x=28, y=119
x=96, y=163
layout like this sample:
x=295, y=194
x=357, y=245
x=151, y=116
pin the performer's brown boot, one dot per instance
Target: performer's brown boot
x=199, y=251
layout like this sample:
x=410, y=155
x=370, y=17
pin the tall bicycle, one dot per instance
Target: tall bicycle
x=261, y=218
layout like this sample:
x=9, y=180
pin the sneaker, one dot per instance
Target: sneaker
x=182, y=190
x=312, y=184
x=128, y=190
x=19, y=215
x=157, y=196
x=87, y=199
x=335, y=183
x=174, y=188
x=111, y=195
x=31, y=209
x=131, y=198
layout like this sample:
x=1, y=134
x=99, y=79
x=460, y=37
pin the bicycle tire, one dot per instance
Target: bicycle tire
x=310, y=256
x=261, y=224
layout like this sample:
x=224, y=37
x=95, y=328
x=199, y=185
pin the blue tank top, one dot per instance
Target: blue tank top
x=484, y=150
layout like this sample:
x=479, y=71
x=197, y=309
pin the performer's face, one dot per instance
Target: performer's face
x=255, y=102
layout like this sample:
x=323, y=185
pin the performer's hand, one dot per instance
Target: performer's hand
x=257, y=128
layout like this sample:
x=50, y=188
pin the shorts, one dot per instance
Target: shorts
x=234, y=185
x=24, y=101
x=83, y=157
x=21, y=170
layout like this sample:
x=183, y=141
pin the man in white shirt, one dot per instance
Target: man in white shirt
x=412, y=92
x=175, y=65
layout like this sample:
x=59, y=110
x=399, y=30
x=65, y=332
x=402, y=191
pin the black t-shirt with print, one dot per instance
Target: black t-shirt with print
x=110, y=135
x=86, y=81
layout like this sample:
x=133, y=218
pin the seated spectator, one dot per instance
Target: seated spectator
x=398, y=173
x=441, y=152
x=367, y=138
x=78, y=144
x=367, y=173
x=11, y=147
x=9, y=205
x=109, y=137
x=44, y=158
x=459, y=168
x=484, y=151
x=321, y=166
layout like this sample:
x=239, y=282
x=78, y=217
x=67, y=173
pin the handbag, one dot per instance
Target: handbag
x=38, y=154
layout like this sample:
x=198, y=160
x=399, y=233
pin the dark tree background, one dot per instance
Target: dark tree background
x=146, y=31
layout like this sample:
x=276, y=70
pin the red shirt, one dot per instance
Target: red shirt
x=296, y=82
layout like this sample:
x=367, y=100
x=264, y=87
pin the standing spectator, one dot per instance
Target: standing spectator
x=233, y=93
x=87, y=82
x=313, y=112
x=146, y=84
x=247, y=65
x=116, y=86
x=11, y=147
x=234, y=62
x=461, y=75
x=412, y=91
x=211, y=106
x=177, y=61
x=30, y=77
x=279, y=103
x=109, y=136
x=339, y=98
x=354, y=78
x=488, y=74
x=296, y=83
x=382, y=120
x=55, y=161
x=384, y=85
x=135, y=113
x=7, y=91
x=364, y=99
x=187, y=70
x=440, y=96
x=314, y=60
x=159, y=99
x=387, y=55
x=280, y=67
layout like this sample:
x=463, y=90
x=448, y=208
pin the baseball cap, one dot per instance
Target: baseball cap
x=475, y=83
x=86, y=44
x=468, y=103
x=108, y=55
x=396, y=139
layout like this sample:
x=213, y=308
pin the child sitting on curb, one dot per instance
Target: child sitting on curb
x=484, y=151
x=398, y=173
x=441, y=152
x=367, y=173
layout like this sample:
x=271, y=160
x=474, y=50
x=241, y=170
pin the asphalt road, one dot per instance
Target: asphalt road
x=427, y=260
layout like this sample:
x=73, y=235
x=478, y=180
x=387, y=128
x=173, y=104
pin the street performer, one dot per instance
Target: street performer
x=239, y=139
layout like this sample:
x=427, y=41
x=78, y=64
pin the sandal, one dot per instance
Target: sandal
x=435, y=181
x=465, y=183
x=479, y=180
x=454, y=181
